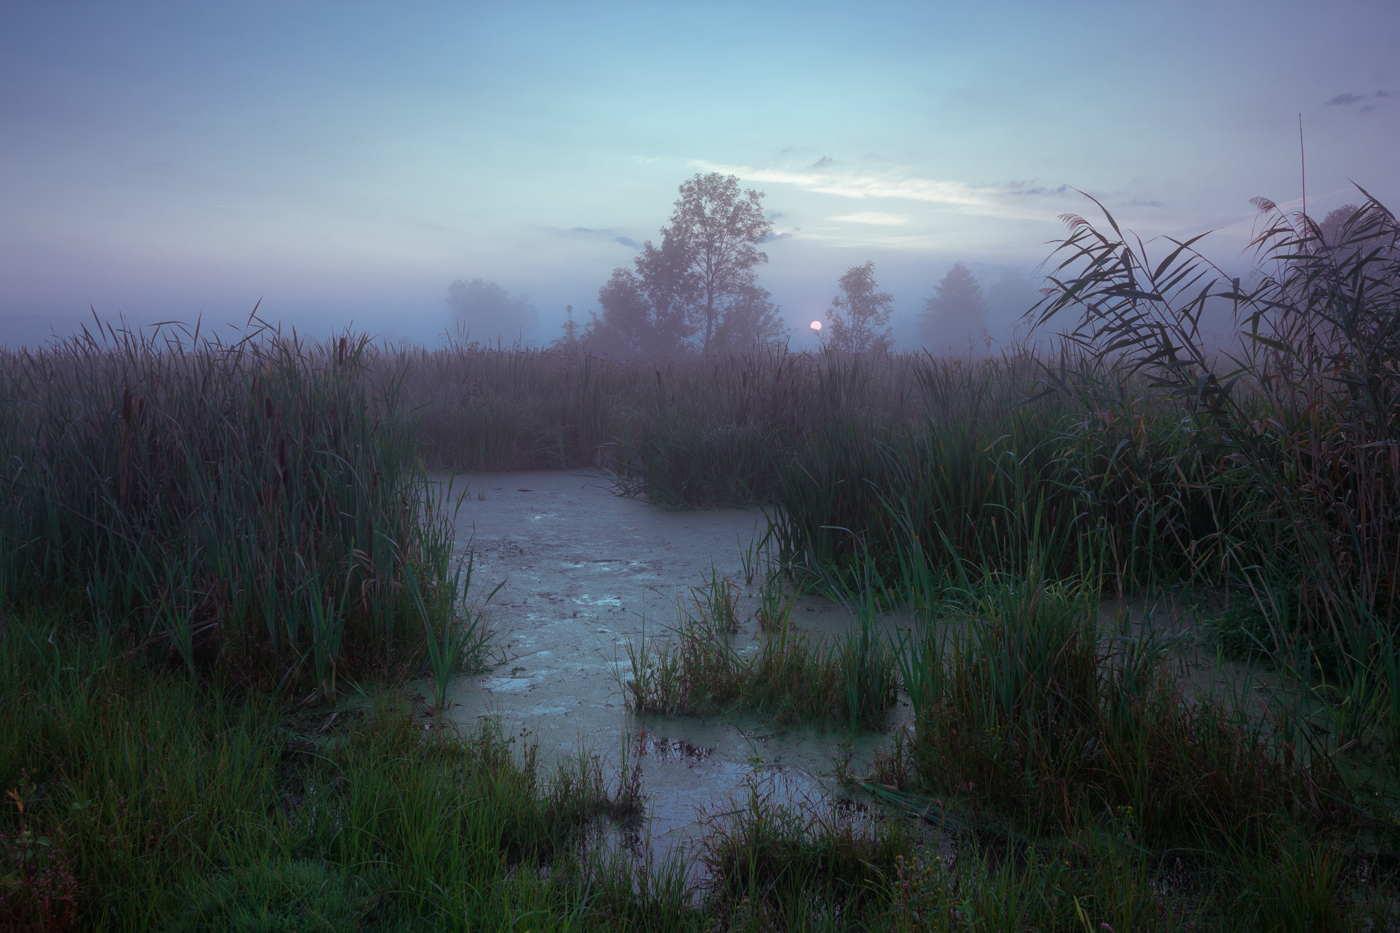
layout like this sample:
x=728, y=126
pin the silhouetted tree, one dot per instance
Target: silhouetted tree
x=956, y=316
x=570, y=339
x=1363, y=230
x=858, y=319
x=699, y=278
x=751, y=322
x=1331, y=227
x=484, y=311
x=707, y=256
x=630, y=324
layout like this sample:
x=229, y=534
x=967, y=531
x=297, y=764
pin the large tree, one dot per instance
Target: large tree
x=705, y=263
x=698, y=286
x=859, y=317
x=956, y=316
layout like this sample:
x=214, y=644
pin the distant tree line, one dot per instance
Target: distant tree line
x=697, y=291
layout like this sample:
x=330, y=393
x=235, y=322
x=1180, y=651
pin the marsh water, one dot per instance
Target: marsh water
x=587, y=574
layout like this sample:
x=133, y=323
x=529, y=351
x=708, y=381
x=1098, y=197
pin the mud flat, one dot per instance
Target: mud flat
x=586, y=573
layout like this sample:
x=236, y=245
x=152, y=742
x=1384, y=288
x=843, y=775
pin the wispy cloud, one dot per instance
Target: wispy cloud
x=595, y=233
x=849, y=184
x=1369, y=102
x=1018, y=200
x=916, y=227
x=874, y=217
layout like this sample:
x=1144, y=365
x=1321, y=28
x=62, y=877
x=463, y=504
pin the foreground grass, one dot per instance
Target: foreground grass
x=139, y=801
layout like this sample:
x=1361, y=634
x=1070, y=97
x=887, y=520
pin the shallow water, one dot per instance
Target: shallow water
x=586, y=573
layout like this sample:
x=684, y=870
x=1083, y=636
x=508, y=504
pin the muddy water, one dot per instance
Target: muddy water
x=586, y=574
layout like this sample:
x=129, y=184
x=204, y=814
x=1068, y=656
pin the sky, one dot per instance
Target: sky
x=343, y=163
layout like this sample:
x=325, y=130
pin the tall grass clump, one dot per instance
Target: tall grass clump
x=997, y=468
x=256, y=508
x=688, y=433
x=1300, y=419
x=1026, y=706
x=788, y=676
x=514, y=408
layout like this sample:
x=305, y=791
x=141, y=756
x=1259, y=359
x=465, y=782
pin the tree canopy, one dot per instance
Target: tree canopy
x=956, y=316
x=698, y=288
x=859, y=317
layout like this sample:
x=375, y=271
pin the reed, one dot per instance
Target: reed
x=252, y=509
x=1299, y=420
x=257, y=513
x=788, y=678
x=1023, y=704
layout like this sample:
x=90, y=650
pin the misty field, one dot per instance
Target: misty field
x=220, y=562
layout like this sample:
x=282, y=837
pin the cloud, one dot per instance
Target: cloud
x=1019, y=200
x=991, y=200
x=874, y=217
x=612, y=234
x=1021, y=187
x=1369, y=100
x=821, y=163
x=861, y=185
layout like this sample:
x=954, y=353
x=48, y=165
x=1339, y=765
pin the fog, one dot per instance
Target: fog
x=168, y=162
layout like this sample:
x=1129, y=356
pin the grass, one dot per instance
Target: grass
x=158, y=804
x=787, y=677
x=256, y=510
x=1025, y=706
x=141, y=801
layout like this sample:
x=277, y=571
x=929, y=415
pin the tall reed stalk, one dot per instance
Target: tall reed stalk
x=252, y=506
x=1299, y=421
